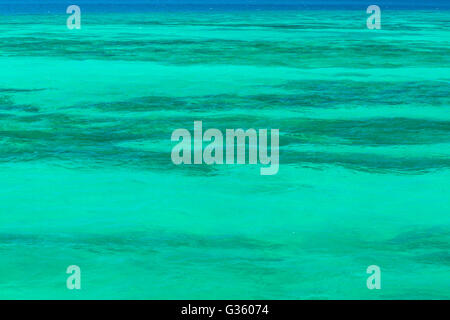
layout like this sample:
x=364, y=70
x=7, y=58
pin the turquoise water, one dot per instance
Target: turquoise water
x=87, y=179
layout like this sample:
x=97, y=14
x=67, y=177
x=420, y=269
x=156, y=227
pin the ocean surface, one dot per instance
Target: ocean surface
x=86, y=176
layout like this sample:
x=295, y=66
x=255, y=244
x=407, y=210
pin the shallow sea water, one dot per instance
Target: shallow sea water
x=87, y=179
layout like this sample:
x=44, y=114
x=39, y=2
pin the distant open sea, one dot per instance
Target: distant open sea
x=86, y=176
x=128, y=6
